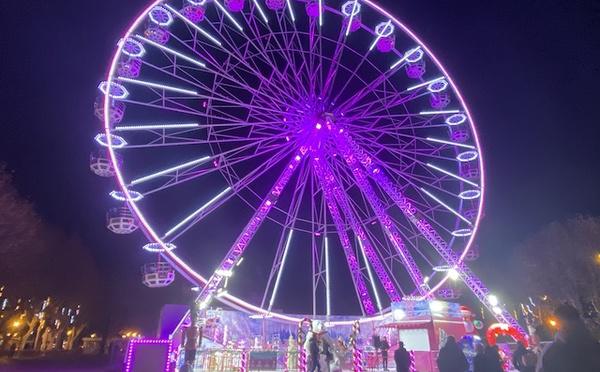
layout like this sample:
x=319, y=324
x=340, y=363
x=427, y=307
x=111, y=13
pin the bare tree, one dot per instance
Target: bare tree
x=562, y=262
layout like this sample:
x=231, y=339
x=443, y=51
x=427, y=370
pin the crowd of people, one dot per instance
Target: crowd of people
x=574, y=349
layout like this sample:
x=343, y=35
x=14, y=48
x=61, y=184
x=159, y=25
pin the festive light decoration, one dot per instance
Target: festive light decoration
x=498, y=329
x=135, y=342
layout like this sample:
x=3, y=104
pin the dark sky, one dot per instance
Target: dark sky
x=530, y=71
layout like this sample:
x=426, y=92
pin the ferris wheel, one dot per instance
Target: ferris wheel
x=321, y=142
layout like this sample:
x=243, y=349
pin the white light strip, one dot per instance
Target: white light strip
x=193, y=25
x=424, y=84
x=198, y=211
x=320, y=12
x=450, y=143
x=362, y=250
x=169, y=50
x=351, y=17
x=439, y=112
x=406, y=55
x=156, y=126
x=281, y=265
x=379, y=36
x=289, y=4
x=261, y=11
x=327, y=278
x=169, y=170
x=446, y=205
x=452, y=175
x=158, y=86
x=228, y=15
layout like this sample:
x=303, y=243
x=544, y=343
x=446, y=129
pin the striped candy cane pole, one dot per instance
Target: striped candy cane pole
x=301, y=338
x=357, y=357
x=413, y=366
x=244, y=361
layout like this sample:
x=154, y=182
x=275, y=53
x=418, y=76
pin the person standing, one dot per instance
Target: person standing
x=493, y=359
x=574, y=348
x=385, y=347
x=480, y=361
x=451, y=357
x=517, y=357
x=402, y=358
x=192, y=337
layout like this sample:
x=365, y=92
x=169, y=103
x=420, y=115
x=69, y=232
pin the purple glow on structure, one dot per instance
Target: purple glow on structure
x=133, y=48
x=193, y=25
x=172, y=51
x=110, y=140
x=150, y=84
x=121, y=196
x=456, y=119
x=371, y=254
x=133, y=343
x=353, y=159
x=462, y=232
x=469, y=194
x=467, y=156
x=382, y=30
x=116, y=90
x=160, y=16
x=243, y=240
x=158, y=248
x=359, y=283
x=180, y=264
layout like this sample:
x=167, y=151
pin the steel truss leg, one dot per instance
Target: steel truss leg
x=440, y=245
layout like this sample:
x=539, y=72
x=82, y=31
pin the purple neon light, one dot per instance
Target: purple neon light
x=243, y=240
x=359, y=283
x=439, y=244
x=342, y=200
x=390, y=228
x=133, y=343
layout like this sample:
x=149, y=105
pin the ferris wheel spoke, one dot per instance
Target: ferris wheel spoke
x=406, y=146
x=184, y=172
x=304, y=72
x=221, y=71
x=282, y=249
x=351, y=259
x=374, y=85
x=381, y=104
x=231, y=191
x=405, y=204
x=261, y=51
x=410, y=177
x=389, y=227
x=335, y=61
x=210, y=91
x=243, y=240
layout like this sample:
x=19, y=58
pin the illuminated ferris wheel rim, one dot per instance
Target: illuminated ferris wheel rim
x=194, y=276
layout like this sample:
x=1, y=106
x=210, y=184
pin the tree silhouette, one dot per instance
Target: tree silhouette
x=561, y=261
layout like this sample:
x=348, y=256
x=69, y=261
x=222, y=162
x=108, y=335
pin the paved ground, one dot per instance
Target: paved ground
x=68, y=363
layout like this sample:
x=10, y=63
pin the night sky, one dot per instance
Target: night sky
x=530, y=71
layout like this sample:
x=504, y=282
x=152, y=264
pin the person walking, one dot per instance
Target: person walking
x=402, y=358
x=385, y=347
x=574, y=348
x=313, y=349
x=451, y=358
